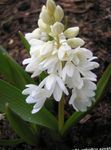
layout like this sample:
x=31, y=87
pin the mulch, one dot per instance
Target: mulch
x=94, y=19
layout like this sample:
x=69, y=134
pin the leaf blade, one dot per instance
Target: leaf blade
x=11, y=142
x=21, y=127
x=12, y=71
x=13, y=96
x=24, y=41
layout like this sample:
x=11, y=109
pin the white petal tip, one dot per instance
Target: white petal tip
x=35, y=111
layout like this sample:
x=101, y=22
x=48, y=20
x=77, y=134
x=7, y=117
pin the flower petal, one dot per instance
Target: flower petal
x=57, y=93
x=61, y=85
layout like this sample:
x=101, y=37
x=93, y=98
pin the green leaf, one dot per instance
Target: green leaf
x=42, y=76
x=24, y=41
x=21, y=127
x=13, y=96
x=11, y=142
x=101, y=86
x=12, y=71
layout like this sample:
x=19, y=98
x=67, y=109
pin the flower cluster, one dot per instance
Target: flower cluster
x=60, y=53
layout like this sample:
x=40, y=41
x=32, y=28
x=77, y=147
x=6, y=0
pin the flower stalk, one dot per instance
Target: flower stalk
x=61, y=114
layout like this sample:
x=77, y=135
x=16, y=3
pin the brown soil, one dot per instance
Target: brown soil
x=94, y=19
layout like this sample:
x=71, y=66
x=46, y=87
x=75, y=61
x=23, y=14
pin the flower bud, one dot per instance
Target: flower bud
x=45, y=16
x=43, y=27
x=75, y=42
x=71, y=32
x=57, y=28
x=50, y=5
x=58, y=14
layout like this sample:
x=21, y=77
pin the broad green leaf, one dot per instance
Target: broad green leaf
x=21, y=127
x=101, y=86
x=12, y=71
x=13, y=96
x=11, y=142
x=24, y=41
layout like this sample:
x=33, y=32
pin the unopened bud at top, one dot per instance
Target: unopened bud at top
x=45, y=16
x=71, y=32
x=58, y=14
x=50, y=5
x=57, y=28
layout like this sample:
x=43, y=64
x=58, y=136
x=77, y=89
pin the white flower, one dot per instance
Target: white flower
x=64, y=52
x=71, y=76
x=81, y=54
x=54, y=84
x=37, y=34
x=36, y=45
x=82, y=98
x=68, y=70
x=37, y=95
x=39, y=60
x=47, y=48
x=78, y=66
x=83, y=61
x=33, y=66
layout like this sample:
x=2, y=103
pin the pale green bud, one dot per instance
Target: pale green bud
x=71, y=32
x=43, y=27
x=75, y=42
x=50, y=5
x=57, y=28
x=45, y=16
x=58, y=14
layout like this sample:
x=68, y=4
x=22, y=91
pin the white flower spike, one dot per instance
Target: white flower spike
x=60, y=53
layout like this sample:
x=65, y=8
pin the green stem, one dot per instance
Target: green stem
x=61, y=103
x=61, y=114
x=58, y=42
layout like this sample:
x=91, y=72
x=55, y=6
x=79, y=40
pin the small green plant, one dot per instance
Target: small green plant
x=62, y=64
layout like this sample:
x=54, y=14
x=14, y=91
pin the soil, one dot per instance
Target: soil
x=94, y=19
